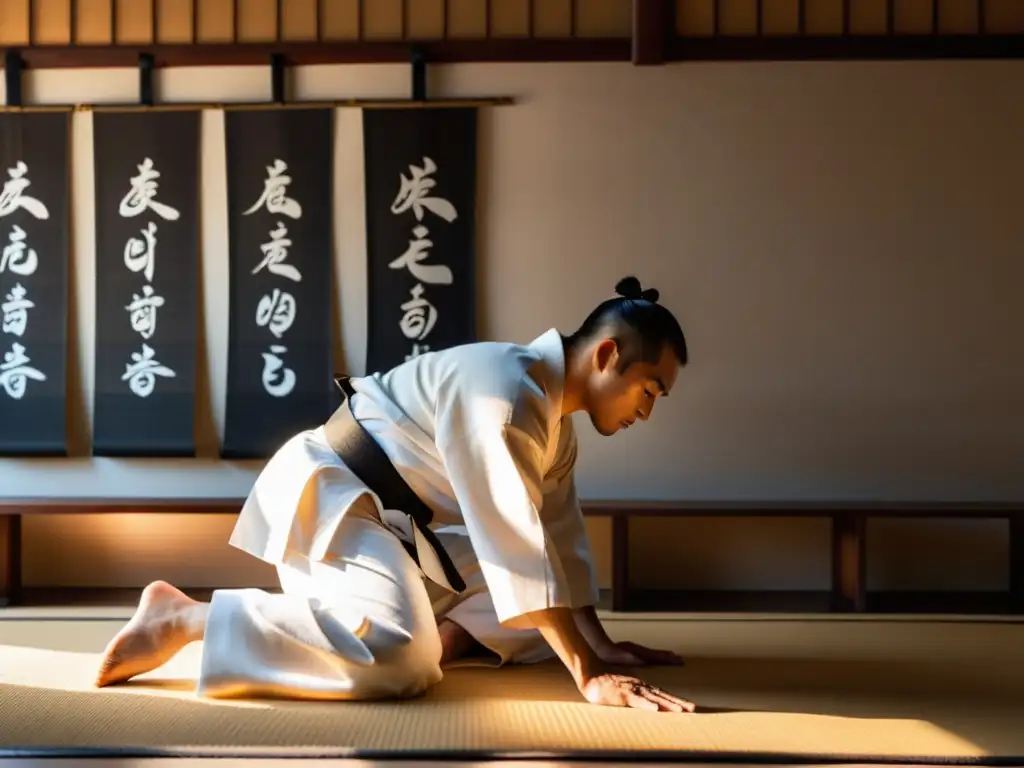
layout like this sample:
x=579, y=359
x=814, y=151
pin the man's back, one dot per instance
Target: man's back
x=469, y=386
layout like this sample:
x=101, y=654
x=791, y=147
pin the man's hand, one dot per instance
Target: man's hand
x=633, y=655
x=619, y=654
x=621, y=691
x=597, y=684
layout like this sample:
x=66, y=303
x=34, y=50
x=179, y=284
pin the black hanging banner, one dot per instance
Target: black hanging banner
x=34, y=229
x=147, y=255
x=280, y=193
x=420, y=167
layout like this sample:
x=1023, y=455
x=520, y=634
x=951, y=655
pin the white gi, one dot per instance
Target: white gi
x=477, y=432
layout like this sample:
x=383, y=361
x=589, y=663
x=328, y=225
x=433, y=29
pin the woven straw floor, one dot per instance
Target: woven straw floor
x=824, y=709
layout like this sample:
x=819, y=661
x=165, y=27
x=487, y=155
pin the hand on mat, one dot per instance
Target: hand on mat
x=633, y=655
x=623, y=691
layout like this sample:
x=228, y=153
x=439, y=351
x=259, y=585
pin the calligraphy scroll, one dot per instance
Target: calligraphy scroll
x=280, y=184
x=33, y=282
x=420, y=221
x=147, y=243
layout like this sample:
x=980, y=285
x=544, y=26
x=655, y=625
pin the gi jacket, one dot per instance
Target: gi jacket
x=477, y=433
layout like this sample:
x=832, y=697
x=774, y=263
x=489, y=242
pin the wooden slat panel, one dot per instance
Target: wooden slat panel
x=52, y=20
x=958, y=16
x=298, y=20
x=257, y=21
x=737, y=17
x=134, y=21
x=216, y=21
x=382, y=20
x=604, y=18
x=552, y=18
x=14, y=22
x=868, y=17
x=174, y=21
x=510, y=18
x=341, y=20
x=695, y=18
x=425, y=20
x=467, y=18
x=1004, y=16
x=92, y=22
x=781, y=17
x=912, y=17
x=825, y=17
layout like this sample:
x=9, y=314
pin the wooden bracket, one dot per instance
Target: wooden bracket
x=10, y=559
x=849, y=562
x=13, y=64
x=146, y=66
x=653, y=28
x=418, y=60
x=1017, y=564
x=620, y=562
x=277, y=78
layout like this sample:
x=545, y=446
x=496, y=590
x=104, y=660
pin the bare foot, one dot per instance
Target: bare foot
x=165, y=622
x=457, y=643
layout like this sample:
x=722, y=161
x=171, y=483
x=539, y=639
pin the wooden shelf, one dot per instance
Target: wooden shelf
x=848, y=593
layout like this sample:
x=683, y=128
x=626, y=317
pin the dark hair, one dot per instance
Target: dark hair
x=639, y=325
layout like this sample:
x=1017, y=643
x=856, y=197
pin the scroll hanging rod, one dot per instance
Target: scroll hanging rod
x=497, y=101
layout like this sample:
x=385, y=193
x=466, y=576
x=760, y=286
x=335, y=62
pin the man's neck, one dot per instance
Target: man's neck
x=573, y=387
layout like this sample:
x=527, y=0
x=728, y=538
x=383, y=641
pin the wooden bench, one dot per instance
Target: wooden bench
x=849, y=521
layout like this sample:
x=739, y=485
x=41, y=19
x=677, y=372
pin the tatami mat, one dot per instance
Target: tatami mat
x=826, y=709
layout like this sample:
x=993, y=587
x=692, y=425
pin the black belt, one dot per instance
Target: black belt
x=367, y=460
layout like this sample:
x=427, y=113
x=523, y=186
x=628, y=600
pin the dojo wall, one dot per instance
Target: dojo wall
x=843, y=243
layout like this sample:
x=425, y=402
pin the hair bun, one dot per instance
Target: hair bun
x=630, y=288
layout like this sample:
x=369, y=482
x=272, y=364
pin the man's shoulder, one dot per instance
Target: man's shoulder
x=497, y=366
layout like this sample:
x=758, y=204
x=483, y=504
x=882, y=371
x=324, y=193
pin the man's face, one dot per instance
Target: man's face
x=617, y=399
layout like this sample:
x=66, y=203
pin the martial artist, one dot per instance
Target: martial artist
x=432, y=521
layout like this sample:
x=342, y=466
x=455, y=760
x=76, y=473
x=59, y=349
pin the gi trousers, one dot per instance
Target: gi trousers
x=360, y=624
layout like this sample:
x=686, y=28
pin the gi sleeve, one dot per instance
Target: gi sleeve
x=493, y=446
x=566, y=527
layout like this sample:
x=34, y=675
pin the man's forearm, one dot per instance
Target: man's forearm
x=590, y=627
x=559, y=627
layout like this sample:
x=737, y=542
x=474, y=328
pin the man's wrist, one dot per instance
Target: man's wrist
x=590, y=666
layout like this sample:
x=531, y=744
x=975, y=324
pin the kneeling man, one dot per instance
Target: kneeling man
x=432, y=521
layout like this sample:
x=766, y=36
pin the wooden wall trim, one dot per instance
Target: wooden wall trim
x=677, y=49
x=354, y=52
x=894, y=47
x=591, y=507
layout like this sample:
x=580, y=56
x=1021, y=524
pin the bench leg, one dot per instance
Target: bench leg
x=1016, y=564
x=10, y=559
x=620, y=562
x=849, y=559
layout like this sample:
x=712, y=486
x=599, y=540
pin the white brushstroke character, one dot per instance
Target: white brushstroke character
x=141, y=373
x=13, y=196
x=276, y=311
x=275, y=189
x=140, y=253
x=142, y=311
x=15, y=309
x=272, y=366
x=142, y=195
x=420, y=315
x=413, y=193
x=274, y=254
x=15, y=372
x=17, y=256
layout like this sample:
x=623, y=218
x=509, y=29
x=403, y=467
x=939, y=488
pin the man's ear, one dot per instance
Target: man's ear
x=606, y=355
